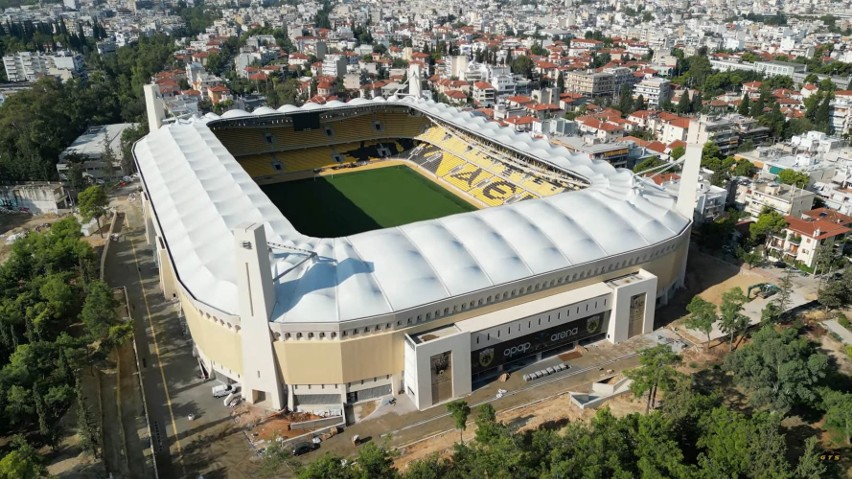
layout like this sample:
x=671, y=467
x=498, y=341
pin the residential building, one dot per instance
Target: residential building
x=589, y=84
x=654, y=91
x=784, y=199
x=30, y=66
x=484, y=94
x=728, y=132
x=710, y=200
x=334, y=65
x=807, y=235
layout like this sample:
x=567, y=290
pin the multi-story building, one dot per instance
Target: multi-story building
x=654, y=90
x=590, y=84
x=784, y=199
x=841, y=112
x=621, y=77
x=807, y=235
x=728, y=132
x=30, y=66
x=710, y=200
x=484, y=94
x=774, y=68
x=334, y=65
x=719, y=130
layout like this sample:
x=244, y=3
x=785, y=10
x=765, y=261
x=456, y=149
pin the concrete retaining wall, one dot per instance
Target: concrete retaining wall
x=316, y=423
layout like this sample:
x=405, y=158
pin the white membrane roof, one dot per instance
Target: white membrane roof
x=200, y=193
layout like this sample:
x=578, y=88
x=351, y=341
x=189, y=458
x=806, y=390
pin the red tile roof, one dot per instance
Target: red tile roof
x=817, y=229
x=832, y=216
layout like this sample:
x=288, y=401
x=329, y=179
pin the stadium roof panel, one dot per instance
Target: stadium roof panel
x=200, y=193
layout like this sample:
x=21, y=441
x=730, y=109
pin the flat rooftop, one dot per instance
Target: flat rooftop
x=537, y=306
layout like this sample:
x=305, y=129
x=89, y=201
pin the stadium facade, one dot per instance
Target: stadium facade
x=429, y=309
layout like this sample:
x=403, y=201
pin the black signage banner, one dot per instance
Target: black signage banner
x=529, y=344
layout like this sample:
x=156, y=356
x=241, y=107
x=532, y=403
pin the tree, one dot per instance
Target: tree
x=702, y=316
x=656, y=371
x=822, y=116
x=92, y=203
x=639, y=104
x=793, y=177
x=374, y=461
x=678, y=152
x=768, y=223
x=770, y=313
x=276, y=456
x=778, y=368
x=810, y=466
x=683, y=104
x=785, y=292
x=697, y=103
x=648, y=163
x=432, y=467
x=743, y=109
x=522, y=65
x=838, y=412
x=731, y=320
x=710, y=150
x=487, y=427
x=23, y=462
x=625, y=100
x=752, y=257
x=459, y=410
x=98, y=312
x=833, y=295
x=733, y=445
x=759, y=105
x=745, y=168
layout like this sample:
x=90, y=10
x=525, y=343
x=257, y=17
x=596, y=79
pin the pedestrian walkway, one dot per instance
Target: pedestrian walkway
x=835, y=327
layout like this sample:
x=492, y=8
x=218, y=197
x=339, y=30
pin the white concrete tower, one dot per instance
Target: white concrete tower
x=256, y=299
x=154, y=107
x=415, y=82
x=688, y=190
x=687, y=194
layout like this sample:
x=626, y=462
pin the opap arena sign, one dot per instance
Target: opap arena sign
x=529, y=344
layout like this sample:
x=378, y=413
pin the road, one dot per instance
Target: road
x=169, y=371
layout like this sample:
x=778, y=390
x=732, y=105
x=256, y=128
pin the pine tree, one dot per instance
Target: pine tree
x=744, y=106
x=640, y=103
x=822, y=118
x=697, y=103
x=683, y=105
x=759, y=105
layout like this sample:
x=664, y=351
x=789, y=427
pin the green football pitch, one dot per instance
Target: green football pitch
x=350, y=203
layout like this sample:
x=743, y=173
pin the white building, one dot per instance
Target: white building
x=654, y=90
x=807, y=235
x=784, y=199
x=30, y=66
x=779, y=68
x=99, y=151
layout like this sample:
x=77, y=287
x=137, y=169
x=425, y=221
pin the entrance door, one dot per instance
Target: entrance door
x=637, y=315
x=441, y=372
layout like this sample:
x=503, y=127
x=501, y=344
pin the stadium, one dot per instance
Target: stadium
x=330, y=254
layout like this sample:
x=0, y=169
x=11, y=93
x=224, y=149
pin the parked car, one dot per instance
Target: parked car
x=304, y=448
